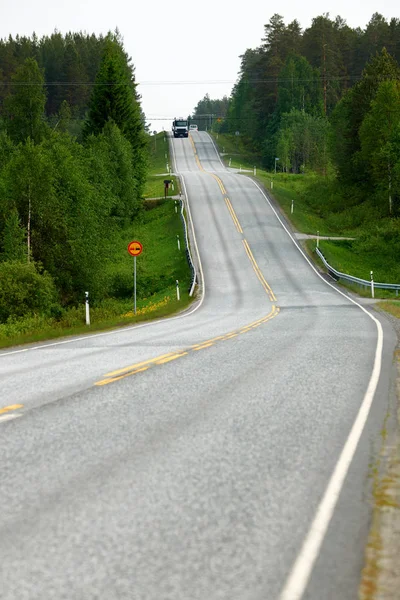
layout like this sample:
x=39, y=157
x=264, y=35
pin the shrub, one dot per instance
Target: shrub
x=25, y=290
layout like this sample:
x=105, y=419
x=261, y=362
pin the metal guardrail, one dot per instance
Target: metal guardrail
x=364, y=282
x=188, y=254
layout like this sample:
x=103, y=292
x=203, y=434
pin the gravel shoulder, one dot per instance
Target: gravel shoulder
x=381, y=574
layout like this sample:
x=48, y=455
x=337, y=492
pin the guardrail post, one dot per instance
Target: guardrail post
x=372, y=285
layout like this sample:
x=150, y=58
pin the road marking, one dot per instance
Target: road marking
x=201, y=346
x=299, y=576
x=118, y=377
x=9, y=417
x=169, y=358
x=271, y=293
x=165, y=358
x=258, y=272
x=136, y=365
x=11, y=407
x=233, y=215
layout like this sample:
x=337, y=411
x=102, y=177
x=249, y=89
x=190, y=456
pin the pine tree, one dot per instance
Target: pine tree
x=25, y=105
x=115, y=98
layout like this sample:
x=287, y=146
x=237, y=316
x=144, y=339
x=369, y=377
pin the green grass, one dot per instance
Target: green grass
x=108, y=315
x=343, y=256
x=158, y=148
x=159, y=158
x=158, y=268
x=234, y=148
x=288, y=188
x=154, y=187
x=392, y=307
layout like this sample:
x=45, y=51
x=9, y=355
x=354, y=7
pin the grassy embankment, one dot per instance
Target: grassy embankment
x=316, y=208
x=158, y=268
x=160, y=159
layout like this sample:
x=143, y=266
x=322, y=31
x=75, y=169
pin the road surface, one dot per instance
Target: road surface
x=187, y=459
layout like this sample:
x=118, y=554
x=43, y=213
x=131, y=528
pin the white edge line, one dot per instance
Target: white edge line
x=9, y=417
x=127, y=329
x=203, y=285
x=297, y=581
x=216, y=150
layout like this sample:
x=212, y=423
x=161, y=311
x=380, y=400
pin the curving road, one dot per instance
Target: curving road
x=194, y=458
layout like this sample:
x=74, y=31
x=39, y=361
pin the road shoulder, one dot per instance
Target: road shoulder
x=380, y=579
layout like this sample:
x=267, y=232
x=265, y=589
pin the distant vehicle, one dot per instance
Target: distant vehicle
x=180, y=127
x=193, y=127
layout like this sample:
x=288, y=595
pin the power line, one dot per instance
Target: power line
x=197, y=82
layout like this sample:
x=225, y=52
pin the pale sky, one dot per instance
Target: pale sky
x=177, y=40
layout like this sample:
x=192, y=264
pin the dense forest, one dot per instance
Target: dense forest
x=326, y=99
x=73, y=162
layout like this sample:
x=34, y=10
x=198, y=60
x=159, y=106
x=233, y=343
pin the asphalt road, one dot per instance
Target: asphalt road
x=187, y=459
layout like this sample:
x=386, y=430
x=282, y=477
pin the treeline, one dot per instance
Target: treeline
x=325, y=99
x=63, y=198
x=69, y=63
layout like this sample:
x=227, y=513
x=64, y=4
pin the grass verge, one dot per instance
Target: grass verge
x=158, y=268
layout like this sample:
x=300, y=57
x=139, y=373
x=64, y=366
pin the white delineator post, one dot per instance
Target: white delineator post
x=291, y=209
x=230, y=160
x=87, y=310
x=255, y=171
x=317, y=239
x=178, y=296
x=176, y=207
x=178, y=241
x=372, y=285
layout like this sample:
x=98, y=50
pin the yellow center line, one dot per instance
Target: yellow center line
x=234, y=219
x=233, y=214
x=168, y=359
x=262, y=276
x=11, y=407
x=165, y=358
x=112, y=379
x=201, y=346
x=135, y=366
x=256, y=271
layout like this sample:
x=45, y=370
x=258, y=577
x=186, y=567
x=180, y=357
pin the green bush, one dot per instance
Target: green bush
x=25, y=290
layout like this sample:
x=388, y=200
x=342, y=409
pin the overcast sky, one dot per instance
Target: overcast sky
x=179, y=40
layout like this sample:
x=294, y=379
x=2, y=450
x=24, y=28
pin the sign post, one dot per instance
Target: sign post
x=166, y=186
x=135, y=248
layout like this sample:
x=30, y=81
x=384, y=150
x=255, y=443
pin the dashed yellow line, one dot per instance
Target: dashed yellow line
x=165, y=358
